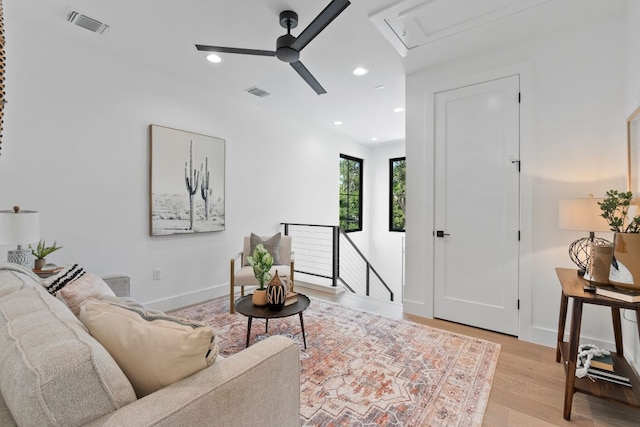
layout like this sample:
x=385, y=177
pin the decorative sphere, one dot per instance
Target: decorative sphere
x=579, y=250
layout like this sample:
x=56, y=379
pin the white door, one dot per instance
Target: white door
x=477, y=205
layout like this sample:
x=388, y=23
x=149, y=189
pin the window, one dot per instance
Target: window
x=397, y=193
x=350, y=193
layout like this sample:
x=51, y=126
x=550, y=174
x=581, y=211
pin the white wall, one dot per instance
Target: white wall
x=632, y=92
x=386, y=247
x=75, y=148
x=633, y=56
x=382, y=248
x=573, y=144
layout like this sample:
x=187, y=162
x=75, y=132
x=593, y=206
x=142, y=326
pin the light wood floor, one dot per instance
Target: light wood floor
x=528, y=386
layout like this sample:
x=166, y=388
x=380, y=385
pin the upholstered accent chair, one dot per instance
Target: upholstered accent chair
x=241, y=276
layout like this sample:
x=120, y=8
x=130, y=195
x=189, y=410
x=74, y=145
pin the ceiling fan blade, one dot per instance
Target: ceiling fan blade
x=306, y=75
x=325, y=17
x=206, y=48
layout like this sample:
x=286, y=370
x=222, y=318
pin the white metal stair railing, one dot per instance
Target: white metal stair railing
x=326, y=253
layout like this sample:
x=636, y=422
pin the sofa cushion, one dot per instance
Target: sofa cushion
x=6, y=419
x=245, y=277
x=52, y=372
x=14, y=277
x=153, y=350
x=120, y=284
x=85, y=287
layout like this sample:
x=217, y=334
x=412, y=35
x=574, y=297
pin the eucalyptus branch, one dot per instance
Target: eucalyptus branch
x=615, y=208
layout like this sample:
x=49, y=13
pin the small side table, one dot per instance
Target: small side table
x=43, y=274
x=572, y=287
x=245, y=306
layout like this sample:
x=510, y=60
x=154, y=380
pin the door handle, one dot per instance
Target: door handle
x=440, y=233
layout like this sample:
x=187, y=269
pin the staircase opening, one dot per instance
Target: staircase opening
x=326, y=252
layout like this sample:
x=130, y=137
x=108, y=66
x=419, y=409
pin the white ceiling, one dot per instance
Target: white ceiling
x=162, y=34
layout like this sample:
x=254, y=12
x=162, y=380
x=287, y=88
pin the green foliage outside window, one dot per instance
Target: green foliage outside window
x=397, y=193
x=350, y=193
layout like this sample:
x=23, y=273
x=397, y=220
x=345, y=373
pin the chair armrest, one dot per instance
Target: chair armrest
x=120, y=284
x=233, y=260
x=259, y=386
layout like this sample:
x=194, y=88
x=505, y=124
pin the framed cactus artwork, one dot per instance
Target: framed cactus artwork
x=186, y=174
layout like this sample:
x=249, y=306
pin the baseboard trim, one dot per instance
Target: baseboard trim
x=416, y=308
x=548, y=337
x=189, y=298
x=183, y=300
x=333, y=290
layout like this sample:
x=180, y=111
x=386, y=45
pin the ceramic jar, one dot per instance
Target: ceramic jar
x=276, y=293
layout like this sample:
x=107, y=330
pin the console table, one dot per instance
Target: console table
x=572, y=287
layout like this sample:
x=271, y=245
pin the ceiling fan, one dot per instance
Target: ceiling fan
x=288, y=47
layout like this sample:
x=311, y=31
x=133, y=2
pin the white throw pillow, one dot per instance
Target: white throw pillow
x=62, y=278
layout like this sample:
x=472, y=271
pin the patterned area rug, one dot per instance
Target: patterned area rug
x=367, y=370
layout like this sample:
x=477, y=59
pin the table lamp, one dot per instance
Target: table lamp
x=19, y=228
x=582, y=215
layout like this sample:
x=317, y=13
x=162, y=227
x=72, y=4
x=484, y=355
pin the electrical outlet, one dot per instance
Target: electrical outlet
x=157, y=274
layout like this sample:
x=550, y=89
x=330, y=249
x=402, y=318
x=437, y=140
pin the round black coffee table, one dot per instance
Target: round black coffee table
x=245, y=306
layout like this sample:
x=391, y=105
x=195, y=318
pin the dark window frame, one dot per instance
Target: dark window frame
x=343, y=221
x=392, y=194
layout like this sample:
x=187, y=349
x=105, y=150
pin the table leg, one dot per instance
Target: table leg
x=249, y=330
x=574, y=337
x=617, y=330
x=304, y=337
x=266, y=327
x=564, y=301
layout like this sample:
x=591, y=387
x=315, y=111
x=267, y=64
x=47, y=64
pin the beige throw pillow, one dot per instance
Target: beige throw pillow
x=151, y=353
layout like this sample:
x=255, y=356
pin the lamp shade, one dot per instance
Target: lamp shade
x=19, y=227
x=581, y=215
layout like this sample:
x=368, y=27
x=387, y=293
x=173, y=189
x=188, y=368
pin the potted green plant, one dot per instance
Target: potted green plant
x=41, y=251
x=261, y=261
x=625, y=263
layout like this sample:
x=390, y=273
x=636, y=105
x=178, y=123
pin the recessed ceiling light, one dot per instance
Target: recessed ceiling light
x=379, y=87
x=360, y=71
x=214, y=58
x=374, y=139
x=398, y=110
x=337, y=123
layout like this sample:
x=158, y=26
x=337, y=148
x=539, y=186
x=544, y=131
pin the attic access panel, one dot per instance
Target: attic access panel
x=409, y=24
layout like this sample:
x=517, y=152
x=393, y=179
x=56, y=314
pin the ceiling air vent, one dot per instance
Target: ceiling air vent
x=257, y=92
x=84, y=21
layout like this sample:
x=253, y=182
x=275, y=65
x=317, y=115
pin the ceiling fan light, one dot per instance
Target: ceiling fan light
x=360, y=71
x=214, y=58
x=284, y=51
